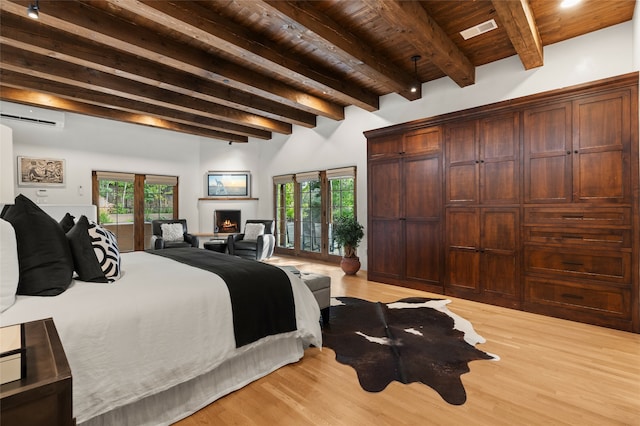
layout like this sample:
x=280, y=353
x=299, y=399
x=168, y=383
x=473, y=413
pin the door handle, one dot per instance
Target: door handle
x=572, y=262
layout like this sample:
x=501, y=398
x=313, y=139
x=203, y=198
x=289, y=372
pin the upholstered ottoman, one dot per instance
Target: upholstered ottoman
x=320, y=286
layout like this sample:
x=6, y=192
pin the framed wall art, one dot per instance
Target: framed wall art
x=44, y=172
x=228, y=184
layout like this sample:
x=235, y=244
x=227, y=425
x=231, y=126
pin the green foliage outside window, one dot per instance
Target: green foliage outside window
x=117, y=201
x=158, y=202
x=342, y=198
x=341, y=203
x=285, y=214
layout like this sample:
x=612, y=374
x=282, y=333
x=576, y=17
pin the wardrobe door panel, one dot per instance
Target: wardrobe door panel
x=547, y=154
x=422, y=187
x=500, y=159
x=462, y=163
x=422, y=252
x=384, y=189
x=385, y=249
x=601, y=148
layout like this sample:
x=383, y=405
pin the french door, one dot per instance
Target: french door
x=306, y=204
x=128, y=202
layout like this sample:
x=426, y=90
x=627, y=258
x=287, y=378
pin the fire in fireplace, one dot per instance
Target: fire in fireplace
x=226, y=221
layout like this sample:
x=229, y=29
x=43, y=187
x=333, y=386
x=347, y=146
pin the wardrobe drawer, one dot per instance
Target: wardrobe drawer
x=596, y=216
x=579, y=263
x=595, y=299
x=604, y=237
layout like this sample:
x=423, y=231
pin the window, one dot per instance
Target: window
x=285, y=211
x=306, y=205
x=127, y=203
x=310, y=205
x=342, y=200
x=158, y=197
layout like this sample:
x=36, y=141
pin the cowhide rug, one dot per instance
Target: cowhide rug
x=411, y=340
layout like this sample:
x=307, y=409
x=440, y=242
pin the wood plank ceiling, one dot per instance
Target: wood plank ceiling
x=238, y=69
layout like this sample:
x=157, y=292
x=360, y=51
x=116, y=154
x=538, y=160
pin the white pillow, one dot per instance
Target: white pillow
x=172, y=232
x=253, y=230
x=9, y=268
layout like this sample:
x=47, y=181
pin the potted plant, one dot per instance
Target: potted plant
x=348, y=233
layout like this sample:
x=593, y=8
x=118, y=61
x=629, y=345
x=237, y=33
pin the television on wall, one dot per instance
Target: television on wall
x=228, y=184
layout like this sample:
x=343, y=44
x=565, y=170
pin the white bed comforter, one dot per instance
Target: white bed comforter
x=161, y=324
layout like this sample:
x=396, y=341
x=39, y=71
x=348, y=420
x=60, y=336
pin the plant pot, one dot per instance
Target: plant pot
x=350, y=265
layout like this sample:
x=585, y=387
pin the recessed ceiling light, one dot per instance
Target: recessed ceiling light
x=569, y=3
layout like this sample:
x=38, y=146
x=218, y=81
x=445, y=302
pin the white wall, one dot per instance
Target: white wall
x=220, y=156
x=636, y=36
x=88, y=143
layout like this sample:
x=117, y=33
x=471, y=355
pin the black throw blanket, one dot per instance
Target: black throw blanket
x=261, y=294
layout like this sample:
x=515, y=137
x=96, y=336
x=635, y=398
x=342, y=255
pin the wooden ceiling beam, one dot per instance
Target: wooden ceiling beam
x=82, y=20
x=64, y=72
x=86, y=96
x=196, y=21
x=11, y=94
x=518, y=21
x=327, y=35
x=430, y=41
x=64, y=46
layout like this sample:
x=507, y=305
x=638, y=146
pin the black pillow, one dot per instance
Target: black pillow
x=44, y=257
x=67, y=222
x=85, y=260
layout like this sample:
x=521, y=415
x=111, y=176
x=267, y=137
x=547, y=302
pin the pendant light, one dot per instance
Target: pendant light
x=416, y=83
x=32, y=10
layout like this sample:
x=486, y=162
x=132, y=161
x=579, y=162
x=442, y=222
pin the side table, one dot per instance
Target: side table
x=216, y=245
x=43, y=396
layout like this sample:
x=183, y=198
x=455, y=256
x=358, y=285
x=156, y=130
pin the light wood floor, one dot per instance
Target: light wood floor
x=551, y=372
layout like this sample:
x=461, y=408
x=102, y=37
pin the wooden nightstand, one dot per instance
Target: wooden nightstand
x=43, y=397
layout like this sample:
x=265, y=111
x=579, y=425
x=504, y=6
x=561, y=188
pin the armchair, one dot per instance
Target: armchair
x=251, y=246
x=158, y=241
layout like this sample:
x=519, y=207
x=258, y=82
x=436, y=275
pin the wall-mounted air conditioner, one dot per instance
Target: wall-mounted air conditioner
x=30, y=114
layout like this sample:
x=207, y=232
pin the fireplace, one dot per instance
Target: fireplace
x=226, y=221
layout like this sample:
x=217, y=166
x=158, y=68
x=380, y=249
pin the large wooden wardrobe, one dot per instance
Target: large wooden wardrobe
x=531, y=204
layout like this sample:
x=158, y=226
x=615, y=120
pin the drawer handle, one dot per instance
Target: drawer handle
x=572, y=237
x=572, y=262
x=573, y=216
x=572, y=296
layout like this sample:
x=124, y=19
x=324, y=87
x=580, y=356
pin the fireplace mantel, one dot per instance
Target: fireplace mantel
x=227, y=199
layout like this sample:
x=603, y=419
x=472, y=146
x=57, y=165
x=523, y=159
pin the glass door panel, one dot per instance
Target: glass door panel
x=158, y=204
x=116, y=210
x=342, y=203
x=285, y=215
x=311, y=216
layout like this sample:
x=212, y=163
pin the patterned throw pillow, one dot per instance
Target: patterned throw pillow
x=172, y=232
x=253, y=230
x=106, y=249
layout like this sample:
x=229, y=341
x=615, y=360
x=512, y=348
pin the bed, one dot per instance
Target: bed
x=158, y=343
